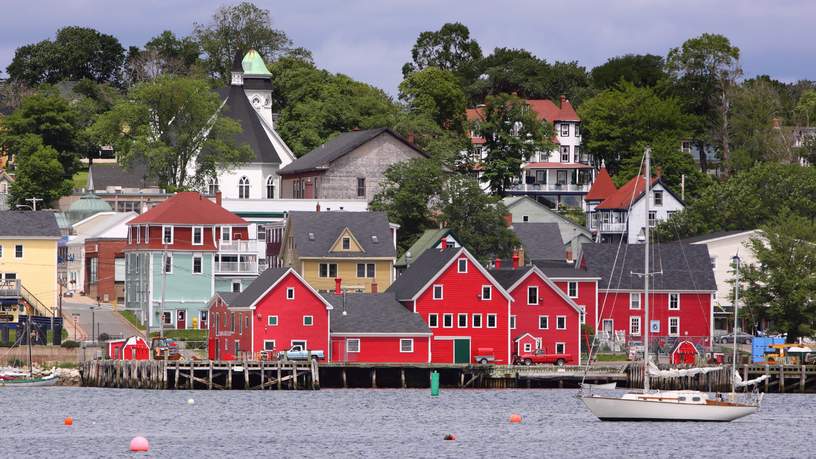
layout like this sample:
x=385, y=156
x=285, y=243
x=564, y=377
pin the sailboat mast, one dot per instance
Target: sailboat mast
x=736, y=300
x=28, y=339
x=645, y=325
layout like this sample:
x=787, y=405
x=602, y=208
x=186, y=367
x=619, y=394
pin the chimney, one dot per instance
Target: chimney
x=515, y=260
x=317, y=207
x=508, y=219
x=338, y=282
x=411, y=138
x=374, y=288
x=777, y=123
x=355, y=129
x=444, y=243
x=521, y=255
x=497, y=263
x=563, y=99
x=218, y=197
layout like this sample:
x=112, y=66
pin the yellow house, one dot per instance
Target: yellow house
x=28, y=253
x=359, y=248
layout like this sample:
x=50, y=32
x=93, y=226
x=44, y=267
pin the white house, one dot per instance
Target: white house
x=103, y=225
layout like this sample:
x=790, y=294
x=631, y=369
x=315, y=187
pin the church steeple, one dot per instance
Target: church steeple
x=237, y=69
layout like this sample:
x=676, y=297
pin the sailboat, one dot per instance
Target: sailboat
x=13, y=378
x=680, y=405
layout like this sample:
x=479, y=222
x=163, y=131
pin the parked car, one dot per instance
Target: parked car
x=484, y=355
x=165, y=348
x=540, y=356
x=742, y=338
x=297, y=352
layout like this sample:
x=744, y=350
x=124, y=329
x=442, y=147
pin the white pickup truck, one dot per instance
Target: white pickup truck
x=298, y=353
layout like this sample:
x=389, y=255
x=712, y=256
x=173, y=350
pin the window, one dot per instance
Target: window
x=167, y=318
x=712, y=259
x=269, y=345
x=308, y=321
x=543, y=322
x=652, y=218
x=560, y=348
x=290, y=293
x=658, y=197
x=476, y=321
x=528, y=347
x=94, y=262
x=346, y=243
x=272, y=321
x=212, y=185
x=532, y=295
x=243, y=188
x=581, y=314
x=512, y=322
x=577, y=130
x=167, y=232
x=634, y=325
x=674, y=326
x=168, y=263
x=197, y=266
x=572, y=289
x=577, y=153
x=565, y=153
x=270, y=187
x=462, y=320
x=525, y=218
x=407, y=345
x=685, y=146
x=561, y=177
x=491, y=320
x=18, y=251
x=670, y=213
x=487, y=292
x=361, y=188
x=634, y=300
x=447, y=320
x=564, y=130
x=353, y=345
x=561, y=322
x=461, y=266
x=674, y=301
x=365, y=270
x=438, y=292
x=226, y=234
x=236, y=286
x=328, y=270
x=1, y=251
x=198, y=235
x=433, y=320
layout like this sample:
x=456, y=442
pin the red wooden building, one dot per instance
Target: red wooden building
x=105, y=269
x=467, y=310
x=133, y=348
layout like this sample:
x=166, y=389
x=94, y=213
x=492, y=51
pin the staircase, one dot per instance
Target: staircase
x=33, y=304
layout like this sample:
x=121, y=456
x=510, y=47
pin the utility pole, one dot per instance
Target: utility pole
x=164, y=284
x=34, y=202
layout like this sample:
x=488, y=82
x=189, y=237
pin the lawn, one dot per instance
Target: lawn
x=130, y=316
x=80, y=179
x=184, y=335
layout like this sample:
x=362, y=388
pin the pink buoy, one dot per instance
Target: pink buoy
x=139, y=445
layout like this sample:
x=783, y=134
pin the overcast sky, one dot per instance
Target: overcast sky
x=370, y=40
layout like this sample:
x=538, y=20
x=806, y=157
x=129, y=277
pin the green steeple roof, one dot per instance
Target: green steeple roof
x=89, y=204
x=253, y=64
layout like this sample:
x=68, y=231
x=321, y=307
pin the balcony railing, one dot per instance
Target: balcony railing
x=566, y=187
x=239, y=246
x=613, y=227
x=10, y=288
x=236, y=267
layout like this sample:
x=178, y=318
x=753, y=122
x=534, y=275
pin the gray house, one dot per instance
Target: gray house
x=525, y=209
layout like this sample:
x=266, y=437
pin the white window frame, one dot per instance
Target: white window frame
x=473, y=321
x=582, y=314
x=200, y=229
x=489, y=289
x=232, y=286
x=459, y=317
x=495, y=318
x=167, y=256
x=462, y=265
x=563, y=347
x=164, y=234
x=633, y=295
x=570, y=286
x=311, y=321
x=270, y=319
x=564, y=130
x=558, y=325
x=266, y=341
x=200, y=264
x=655, y=194
x=528, y=347
x=546, y=319
x=677, y=297
x=444, y=319
x=675, y=318
x=344, y=242
x=226, y=234
x=22, y=251
x=530, y=288
x=410, y=342
x=290, y=293
x=349, y=349
x=512, y=322
x=441, y=292
x=632, y=321
x=435, y=322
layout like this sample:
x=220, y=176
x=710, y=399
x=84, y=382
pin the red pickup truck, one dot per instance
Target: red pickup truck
x=540, y=356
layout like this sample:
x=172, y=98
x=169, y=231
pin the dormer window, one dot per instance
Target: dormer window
x=346, y=243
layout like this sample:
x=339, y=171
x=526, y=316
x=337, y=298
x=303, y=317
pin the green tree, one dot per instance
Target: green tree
x=638, y=69
x=755, y=131
x=780, y=286
x=239, y=28
x=444, y=145
x=39, y=173
x=75, y=53
x=437, y=94
x=512, y=133
x=163, y=54
x=703, y=70
x=450, y=48
x=168, y=124
x=805, y=110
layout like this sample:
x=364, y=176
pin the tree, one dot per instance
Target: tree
x=239, y=28
x=54, y=120
x=163, y=54
x=755, y=126
x=512, y=133
x=168, y=124
x=75, y=53
x=406, y=194
x=39, y=173
x=675, y=167
x=444, y=145
x=780, y=286
x=805, y=111
x=703, y=70
x=437, y=94
x=638, y=69
x=450, y=48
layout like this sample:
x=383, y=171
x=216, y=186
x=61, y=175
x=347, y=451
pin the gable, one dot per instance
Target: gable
x=475, y=269
x=548, y=291
x=346, y=243
x=275, y=299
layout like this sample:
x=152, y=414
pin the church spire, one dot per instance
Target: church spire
x=237, y=69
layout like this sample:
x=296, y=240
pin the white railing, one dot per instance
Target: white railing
x=239, y=246
x=613, y=227
x=10, y=288
x=549, y=187
x=236, y=267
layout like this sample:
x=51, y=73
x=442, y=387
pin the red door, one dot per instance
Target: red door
x=181, y=319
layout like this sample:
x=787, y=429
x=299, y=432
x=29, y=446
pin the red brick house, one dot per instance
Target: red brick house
x=467, y=310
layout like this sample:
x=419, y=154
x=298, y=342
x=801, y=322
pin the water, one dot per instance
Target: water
x=375, y=423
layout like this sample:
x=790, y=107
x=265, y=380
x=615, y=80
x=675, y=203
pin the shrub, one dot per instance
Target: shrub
x=70, y=344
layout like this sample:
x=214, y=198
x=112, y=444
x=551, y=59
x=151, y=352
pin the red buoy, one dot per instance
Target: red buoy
x=139, y=445
x=450, y=437
x=69, y=421
x=515, y=418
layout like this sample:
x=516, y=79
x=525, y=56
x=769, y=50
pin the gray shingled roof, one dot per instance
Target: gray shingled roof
x=685, y=267
x=257, y=288
x=322, y=156
x=563, y=270
x=372, y=313
x=506, y=277
x=421, y=271
x=134, y=176
x=253, y=134
x=326, y=228
x=228, y=297
x=541, y=241
x=15, y=223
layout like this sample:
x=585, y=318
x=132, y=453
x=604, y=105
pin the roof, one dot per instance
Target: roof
x=541, y=241
x=628, y=194
x=258, y=287
x=421, y=272
x=41, y=224
x=428, y=239
x=253, y=64
x=189, y=208
x=321, y=157
x=544, y=108
x=508, y=276
x=371, y=230
x=563, y=270
x=372, y=313
x=684, y=267
x=602, y=187
x=556, y=165
x=569, y=229
x=87, y=205
x=712, y=236
x=104, y=175
x=228, y=297
x=238, y=107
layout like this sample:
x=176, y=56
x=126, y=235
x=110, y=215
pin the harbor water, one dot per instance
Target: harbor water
x=375, y=423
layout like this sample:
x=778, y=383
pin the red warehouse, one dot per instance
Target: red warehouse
x=467, y=311
x=581, y=286
x=542, y=315
x=681, y=291
x=133, y=348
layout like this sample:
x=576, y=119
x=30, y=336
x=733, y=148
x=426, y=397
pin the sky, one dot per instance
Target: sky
x=371, y=40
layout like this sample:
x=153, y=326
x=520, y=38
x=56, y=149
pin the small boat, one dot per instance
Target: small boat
x=606, y=386
x=49, y=380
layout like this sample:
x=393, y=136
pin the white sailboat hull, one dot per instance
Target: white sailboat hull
x=620, y=409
